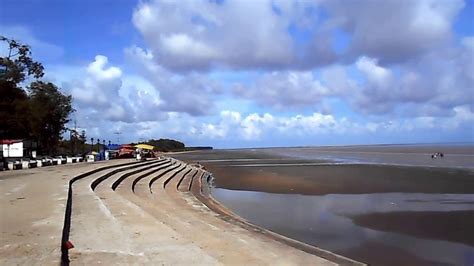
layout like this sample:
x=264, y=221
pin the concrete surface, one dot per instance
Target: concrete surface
x=153, y=212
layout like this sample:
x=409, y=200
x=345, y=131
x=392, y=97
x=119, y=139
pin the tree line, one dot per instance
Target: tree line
x=167, y=145
x=29, y=107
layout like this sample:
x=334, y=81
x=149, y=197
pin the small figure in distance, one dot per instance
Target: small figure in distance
x=436, y=155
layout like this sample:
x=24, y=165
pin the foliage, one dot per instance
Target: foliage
x=41, y=111
x=50, y=110
x=166, y=145
x=18, y=64
x=196, y=148
x=14, y=111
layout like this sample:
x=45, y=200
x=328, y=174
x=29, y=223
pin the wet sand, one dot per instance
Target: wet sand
x=271, y=171
x=379, y=254
x=455, y=156
x=342, y=179
x=455, y=226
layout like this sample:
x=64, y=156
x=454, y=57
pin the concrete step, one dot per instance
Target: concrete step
x=185, y=184
x=148, y=238
x=209, y=233
x=153, y=212
x=93, y=227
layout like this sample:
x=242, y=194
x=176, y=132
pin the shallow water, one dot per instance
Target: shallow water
x=455, y=156
x=325, y=221
x=381, y=215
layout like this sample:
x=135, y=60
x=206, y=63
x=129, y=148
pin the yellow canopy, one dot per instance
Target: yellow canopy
x=144, y=146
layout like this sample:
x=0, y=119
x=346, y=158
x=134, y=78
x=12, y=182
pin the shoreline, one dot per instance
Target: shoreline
x=226, y=214
x=343, y=179
x=257, y=171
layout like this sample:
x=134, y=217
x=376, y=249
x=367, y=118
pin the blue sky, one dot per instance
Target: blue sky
x=238, y=73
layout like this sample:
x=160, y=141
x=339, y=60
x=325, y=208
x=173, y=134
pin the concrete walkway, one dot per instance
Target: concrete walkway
x=32, y=206
x=153, y=212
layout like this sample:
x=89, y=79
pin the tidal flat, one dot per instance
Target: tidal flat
x=371, y=207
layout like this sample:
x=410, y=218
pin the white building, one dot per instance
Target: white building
x=11, y=148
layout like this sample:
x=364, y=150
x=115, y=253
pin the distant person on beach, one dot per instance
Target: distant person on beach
x=436, y=155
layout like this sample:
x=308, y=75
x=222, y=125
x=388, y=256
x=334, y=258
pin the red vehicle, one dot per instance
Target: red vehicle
x=126, y=151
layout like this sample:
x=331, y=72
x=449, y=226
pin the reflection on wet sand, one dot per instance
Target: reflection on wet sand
x=372, y=207
x=454, y=226
x=326, y=221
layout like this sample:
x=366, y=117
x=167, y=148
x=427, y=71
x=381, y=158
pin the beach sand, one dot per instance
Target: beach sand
x=453, y=226
x=264, y=170
x=259, y=170
x=342, y=179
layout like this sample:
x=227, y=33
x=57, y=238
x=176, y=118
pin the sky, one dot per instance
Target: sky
x=242, y=73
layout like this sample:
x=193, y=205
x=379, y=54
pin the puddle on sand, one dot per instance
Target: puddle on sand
x=325, y=221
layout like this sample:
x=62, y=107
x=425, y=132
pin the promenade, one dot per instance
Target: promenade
x=127, y=212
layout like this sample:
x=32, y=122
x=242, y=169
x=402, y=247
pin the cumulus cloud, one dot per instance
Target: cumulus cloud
x=255, y=127
x=401, y=69
x=433, y=85
x=100, y=91
x=199, y=35
x=284, y=90
x=190, y=93
x=394, y=31
x=101, y=95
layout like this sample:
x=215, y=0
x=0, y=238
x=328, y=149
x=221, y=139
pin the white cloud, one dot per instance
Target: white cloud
x=285, y=90
x=394, y=31
x=182, y=45
x=199, y=35
x=376, y=75
x=433, y=85
x=256, y=127
x=102, y=93
x=190, y=93
x=403, y=73
x=98, y=71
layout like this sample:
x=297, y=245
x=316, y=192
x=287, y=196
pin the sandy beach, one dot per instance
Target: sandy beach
x=411, y=214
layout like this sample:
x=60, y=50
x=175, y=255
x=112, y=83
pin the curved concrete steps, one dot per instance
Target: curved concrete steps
x=93, y=227
x=153, y=212
x=199, y=223
x=114, y=229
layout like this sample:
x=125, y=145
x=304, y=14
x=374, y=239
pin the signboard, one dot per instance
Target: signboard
x=12, y=150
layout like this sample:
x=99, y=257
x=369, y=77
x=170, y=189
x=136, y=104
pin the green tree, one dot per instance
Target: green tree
x=41, y=111
x=15, y=66
x=14, y=111
x=166, y=145
x=50, y=110
x=18, y=64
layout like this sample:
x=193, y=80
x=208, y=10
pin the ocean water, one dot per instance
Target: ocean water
x=455, y=156
x=427, y=229
x=324, y=221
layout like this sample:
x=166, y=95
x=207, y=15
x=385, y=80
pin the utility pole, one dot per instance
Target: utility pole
x=118, y=135
x=83, y=140
x=75, y=138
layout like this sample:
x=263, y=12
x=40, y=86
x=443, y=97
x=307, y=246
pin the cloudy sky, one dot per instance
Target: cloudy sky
x=243, y=73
